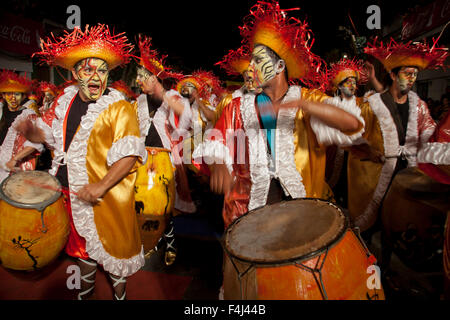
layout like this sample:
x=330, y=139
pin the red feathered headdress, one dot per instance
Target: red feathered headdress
x=410, y=54
x=343, y=69
x=153, y=62
x=236, y=61
x=288, y=37
x=94, y=42
x=12, y=82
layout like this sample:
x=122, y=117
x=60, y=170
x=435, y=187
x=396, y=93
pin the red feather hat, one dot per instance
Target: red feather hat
x=153, y=62
x=288, y=37
x=343, y=69
x=12, y=82
x=94, y=42
x=236, y=61
x=410, y=54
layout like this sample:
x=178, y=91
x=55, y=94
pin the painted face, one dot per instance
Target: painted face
x=262, y=66
x=92, y=76
x=348, y=87
x=146, y=80
x=48, y=98
x=187, y=90
x=13, y=99
x=406, y=78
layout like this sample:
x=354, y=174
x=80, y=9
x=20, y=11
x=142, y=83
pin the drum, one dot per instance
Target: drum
x=154, y=196
x=298, y=250
x=446, y=260
x=413, y=216
x=34, y=224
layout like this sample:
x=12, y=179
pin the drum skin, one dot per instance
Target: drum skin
x=285, y=264
x=23, y=244
x=413, y=217
x=154, y=196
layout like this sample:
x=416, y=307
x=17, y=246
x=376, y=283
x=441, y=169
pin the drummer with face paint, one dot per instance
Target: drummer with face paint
x=280, y=132
x=94, y=134
x=16, y=153
x=164, y=116
x=397, y=124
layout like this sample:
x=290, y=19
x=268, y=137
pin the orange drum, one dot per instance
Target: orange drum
x=413, y=216
x=34, y=224
x=154, y=196
x=447, y=258
x=298, y=250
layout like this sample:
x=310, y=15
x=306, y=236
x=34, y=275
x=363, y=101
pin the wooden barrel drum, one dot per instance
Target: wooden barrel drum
x=297, y=250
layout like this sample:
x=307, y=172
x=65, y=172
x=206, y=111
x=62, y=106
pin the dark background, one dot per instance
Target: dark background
x=197, y=34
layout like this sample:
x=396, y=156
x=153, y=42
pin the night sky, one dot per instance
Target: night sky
x=197, y=34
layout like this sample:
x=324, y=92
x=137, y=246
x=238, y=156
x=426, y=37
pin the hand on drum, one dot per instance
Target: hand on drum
x=92, y=193
x=221, y=180
x=12, y=165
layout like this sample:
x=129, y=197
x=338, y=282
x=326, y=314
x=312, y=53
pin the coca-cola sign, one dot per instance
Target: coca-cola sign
x=426, y=18
x=19, y=35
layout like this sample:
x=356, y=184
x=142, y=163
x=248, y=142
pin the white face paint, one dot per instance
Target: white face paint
x=348, y=87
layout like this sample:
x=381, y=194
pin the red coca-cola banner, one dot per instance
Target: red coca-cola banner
x=426, y=18
x=19, y=35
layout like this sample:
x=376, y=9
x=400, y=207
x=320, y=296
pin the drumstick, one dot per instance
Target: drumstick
x=49, y=187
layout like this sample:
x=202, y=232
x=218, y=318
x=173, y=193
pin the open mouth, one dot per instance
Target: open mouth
x=94, y=88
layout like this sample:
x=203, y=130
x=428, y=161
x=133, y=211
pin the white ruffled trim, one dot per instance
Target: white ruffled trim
x=409, y=149
x=239, y=93
x=286, y=169
x=213, y=151
x=145, y=121
x=391, y=145
x=127, y=146
x=327, y=135
x=259, y=159
x=83, y=213
x=437, y=153
x=6, y=149
x=257, y=151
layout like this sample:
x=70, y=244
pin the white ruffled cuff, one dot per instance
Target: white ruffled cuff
x=38, y=146
x=331, y=136
x=213, y=151
x=127, y=146
x=435, y=153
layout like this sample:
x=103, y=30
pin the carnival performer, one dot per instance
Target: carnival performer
x=164, y=117
x=16, y=152
x=282, y=131
x=397, y=122
x=341, y=81
x=94, y=135
x=48, y=93
x=235, y=63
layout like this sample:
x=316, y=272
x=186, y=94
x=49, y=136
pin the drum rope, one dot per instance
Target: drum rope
x=240, y=274
x=318, y=270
